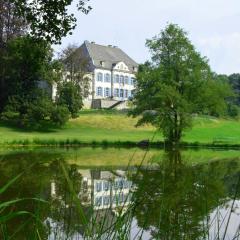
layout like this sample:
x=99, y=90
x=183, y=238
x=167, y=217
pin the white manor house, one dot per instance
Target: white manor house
x=111, y=73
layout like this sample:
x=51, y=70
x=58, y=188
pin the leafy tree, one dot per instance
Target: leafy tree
x=50, y=20
x=28, y=65
x=69, y=95
x=76, y=67
x=217, y=97
x=173, y=86
x=173, y=200
x=11, y=25
x=234, y=80
x=27, y=62
x=59, y=115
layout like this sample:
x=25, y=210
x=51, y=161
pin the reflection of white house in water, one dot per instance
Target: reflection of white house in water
x=105, y=189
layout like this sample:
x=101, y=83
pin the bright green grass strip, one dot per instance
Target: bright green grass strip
x=115, y=126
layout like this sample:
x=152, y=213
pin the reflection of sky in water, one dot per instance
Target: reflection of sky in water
x=219, y=220
x=111, y=192
x=158, y=198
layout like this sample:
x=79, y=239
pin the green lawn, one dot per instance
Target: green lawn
x=115, y=126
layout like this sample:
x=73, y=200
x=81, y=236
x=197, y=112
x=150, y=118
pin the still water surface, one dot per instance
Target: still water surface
x=120, y=194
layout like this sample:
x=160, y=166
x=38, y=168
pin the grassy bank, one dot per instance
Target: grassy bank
x=114, y=128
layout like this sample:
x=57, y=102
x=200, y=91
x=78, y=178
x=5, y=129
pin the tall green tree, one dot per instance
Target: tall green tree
x=173, y=85
x=50, y=20
x=234, y=80
x=76, y=67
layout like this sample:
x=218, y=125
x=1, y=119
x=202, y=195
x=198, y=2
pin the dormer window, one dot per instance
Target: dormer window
x=102, y=63
x=116, y=78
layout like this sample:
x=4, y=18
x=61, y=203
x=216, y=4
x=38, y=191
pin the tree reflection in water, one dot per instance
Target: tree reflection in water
x=170, y=199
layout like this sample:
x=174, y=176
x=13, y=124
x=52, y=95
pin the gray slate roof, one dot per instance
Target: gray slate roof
x=109, y=55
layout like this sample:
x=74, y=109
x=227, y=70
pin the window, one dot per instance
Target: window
x=132, y=81
x=107, y=92
x=116, y=92
x=107, y=77
x=120, y=184
x=100, y=77
x=126, y=93
x=106, y=200
x=99, y=91
x=121, y=79
x=98, y=201
x=102, y=63
x=121, y=197
x=117, y=79
x=116, y=185
x=106, y=186
x=126, y=184
x=126, y=79
x=132, y=93
x=121, y=93
x=115, y=200
x=98, y=186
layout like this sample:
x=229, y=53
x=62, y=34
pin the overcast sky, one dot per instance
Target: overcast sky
x=213, y=27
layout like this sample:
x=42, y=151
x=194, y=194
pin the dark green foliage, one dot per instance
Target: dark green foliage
x=233, y=110
x=69, y=94
x=49, y=20
x=234, y=80
x=215, y=97
x=29, y=67
x=26, y=63
x=34, y=112
x=60, y=115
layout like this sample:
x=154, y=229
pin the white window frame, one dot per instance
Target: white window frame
x=107, y=77
x=99, y=77
x=99, y=91
x=107, y=92
x=121, y=93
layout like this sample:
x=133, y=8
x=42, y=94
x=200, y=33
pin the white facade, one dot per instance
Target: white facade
x=117, y=84
x=111, y=73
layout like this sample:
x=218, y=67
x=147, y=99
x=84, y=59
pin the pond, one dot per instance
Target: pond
x=95, y=193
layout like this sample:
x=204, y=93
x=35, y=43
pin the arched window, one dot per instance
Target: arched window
x=100, y=77
x=126, y=93
x=107, y=77
x=126, y=79
x=133, y=81
x=121, y=93
x=121, y=79
x=99, y=91
x=116, y=92
x=117, y=78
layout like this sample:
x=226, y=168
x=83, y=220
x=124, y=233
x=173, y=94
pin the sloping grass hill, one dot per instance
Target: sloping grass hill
x=96, y=125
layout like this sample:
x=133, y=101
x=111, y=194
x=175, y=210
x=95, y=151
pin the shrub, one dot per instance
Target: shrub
x=69, y=94
x=60, y=115
x=233, y=110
